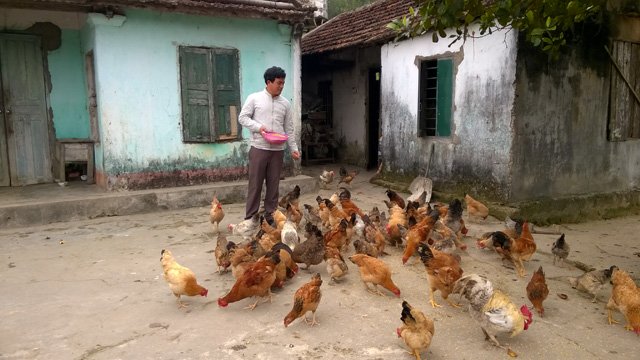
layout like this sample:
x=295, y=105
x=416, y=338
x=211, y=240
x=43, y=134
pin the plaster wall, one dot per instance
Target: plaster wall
x=477, y=154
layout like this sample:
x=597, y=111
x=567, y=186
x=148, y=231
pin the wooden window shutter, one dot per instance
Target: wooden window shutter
x=428, y=98
x=445, y=97
x=226, y=93
x=624, y=108
x=197, y=95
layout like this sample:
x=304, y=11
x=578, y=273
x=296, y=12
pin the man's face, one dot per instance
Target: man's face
x=275, y=87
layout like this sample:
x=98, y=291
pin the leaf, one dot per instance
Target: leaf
x=442, y=33
x=530, y=16
x=434, y=37
x=537, y=32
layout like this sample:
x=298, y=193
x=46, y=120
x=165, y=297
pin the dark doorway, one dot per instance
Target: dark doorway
x=373, y=121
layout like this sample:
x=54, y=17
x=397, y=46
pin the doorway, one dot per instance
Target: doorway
x=25, y=152
x=373, y=119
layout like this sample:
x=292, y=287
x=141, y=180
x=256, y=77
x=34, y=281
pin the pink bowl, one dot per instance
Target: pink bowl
x=274, y=138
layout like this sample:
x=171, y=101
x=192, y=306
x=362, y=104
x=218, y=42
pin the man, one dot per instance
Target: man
x=267, y=111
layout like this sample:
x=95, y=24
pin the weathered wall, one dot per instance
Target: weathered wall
x=350, y=91
x=138, y=89
x=477, y=155
x=560, y=141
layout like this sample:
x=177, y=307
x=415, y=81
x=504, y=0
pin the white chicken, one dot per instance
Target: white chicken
x=326, y=178
x=289, y=234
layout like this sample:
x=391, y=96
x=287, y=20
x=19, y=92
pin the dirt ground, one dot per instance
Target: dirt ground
x=94, y=290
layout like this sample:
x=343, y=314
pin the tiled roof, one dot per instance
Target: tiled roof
x=289, y=10
x=363, y=26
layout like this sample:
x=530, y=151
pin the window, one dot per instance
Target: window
x=436, y=88
x=210, y=86
x=624, y=104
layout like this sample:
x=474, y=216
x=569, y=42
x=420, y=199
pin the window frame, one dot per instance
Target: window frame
x=436, y=120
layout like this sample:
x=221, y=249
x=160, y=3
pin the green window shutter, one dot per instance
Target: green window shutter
x=445, y=97
x=197, y=94
x=226, y=93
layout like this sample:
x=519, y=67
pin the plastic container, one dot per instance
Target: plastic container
x=274, y=138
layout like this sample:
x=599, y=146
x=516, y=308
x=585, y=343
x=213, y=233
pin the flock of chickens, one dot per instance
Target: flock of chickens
x=270, y=253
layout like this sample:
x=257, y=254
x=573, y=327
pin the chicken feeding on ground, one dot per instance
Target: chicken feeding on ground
x=221, y=253
x=240, y=260
x=443, y=270
x=294, y=214
x=347, y=176
x=376, y=272
x=417, y=233
x=516, y=250
x=418, y=330
x=492, y=309
x=397, y=216
x=307, y=298
x=373, y=235
x=216, y=214
x=476, y=209
x=326, y=178
x=348, y=206
x=335, y=214
x=453, y=220
x=592, y=282
x=625, y=297
x=246, y=228
x=311, y=251
x=312, y=215
x=560, y=250
x=364, y=247
x=395, y=198
x=337, y=236
x=292, y=197
x=289, y=234
x=255, y=281
x=181, y=280
x=336, y=266
x=537, y=291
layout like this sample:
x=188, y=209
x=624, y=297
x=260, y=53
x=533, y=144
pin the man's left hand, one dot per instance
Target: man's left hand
x=295, y=155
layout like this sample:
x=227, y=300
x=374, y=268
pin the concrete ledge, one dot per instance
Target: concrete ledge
x=46, y=211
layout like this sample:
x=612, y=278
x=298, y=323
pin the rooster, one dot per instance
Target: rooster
x=306, y=299
x=326, y=178
x=417, y=331
x=492, y=309
x=181, y=280
x=216, y=214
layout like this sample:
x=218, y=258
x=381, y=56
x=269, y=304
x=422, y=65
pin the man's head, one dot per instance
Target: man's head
x=274, y=78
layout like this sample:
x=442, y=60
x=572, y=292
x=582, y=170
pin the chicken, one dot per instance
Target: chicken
x=337, y=236
x=336, y=266
x=592, y=282
x=395, y=198
x=216, y=214
x=241, y=260
x=373, y=235
x=323, y=210
x=307, y=298
x=454, y=221
x=246, y=228
x=290, y=234
x=417, y=233
x=417, y=331
x=376, y=272
x=273, y=232
x=347, y=176
x=221, y=253
x=312, y=215
x=492, y=309
x=291, y=197
x=397, y=216
x=442, y=238
x=326, y=178
x=560, y=250
x=181, y=280
x=348, y=206
x=443, y=270
x=256, y=281
x=364, y=247
x=516, y=250
x=294, y=214
x=537, y=291
x=336, y=215
x=475, y=208
x=311, y=251
x=625, y=297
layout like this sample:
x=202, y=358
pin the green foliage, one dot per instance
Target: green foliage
x=336, y=7
x=546, y=24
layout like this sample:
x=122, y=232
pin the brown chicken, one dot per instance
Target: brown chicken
x=336, y=215
x=373, y=235
x=216, y=214
x=516, y=250
x=397, y=216
x=256, y=281
x=287, y=268
x=336, y=266
x=294, y=214
x=418, y=233
x=181, y=280
x=365, y=247
x=417, y=331
x=443, y=270
x=323, y=211
x=348, y=206
x=537, y=291
x=307, y=298
x=625, y=297
x=221, y=252
x=347, y=176
x=337, y=236
x=395, y=198
x=241, y=260
x=376, y=272
x=475, y=208
x=292, y=197
x=311, y=251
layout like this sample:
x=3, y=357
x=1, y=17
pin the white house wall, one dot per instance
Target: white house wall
x=478, y=151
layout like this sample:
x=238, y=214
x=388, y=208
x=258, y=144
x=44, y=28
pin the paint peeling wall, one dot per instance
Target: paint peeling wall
x=138, y=89
x=477, y=155
x=560, y=145
x=350, y=104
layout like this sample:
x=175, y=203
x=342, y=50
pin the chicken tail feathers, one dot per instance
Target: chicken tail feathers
x=406, y=316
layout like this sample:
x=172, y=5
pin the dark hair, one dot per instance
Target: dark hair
x=272, y=73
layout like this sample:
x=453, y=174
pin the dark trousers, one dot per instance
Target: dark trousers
x=264, y=165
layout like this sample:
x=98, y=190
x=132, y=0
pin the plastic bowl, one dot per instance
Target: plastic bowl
x=274, y=138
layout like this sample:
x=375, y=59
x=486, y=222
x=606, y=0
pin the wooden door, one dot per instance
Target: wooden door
x=25, y=110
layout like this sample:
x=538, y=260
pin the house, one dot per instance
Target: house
x=139, y=93
x=497, y=119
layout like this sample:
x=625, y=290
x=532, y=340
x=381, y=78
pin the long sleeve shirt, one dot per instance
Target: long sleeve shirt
x=274, y=113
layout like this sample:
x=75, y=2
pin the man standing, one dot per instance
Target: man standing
x=267, y=111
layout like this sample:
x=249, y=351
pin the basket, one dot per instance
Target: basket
x=274, y=138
